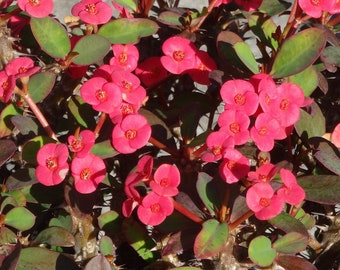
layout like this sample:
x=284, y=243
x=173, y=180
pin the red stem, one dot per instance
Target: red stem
x=198, y=25
x=180, y=208
x=240, y=220
x=100, y=124
x=162, y=146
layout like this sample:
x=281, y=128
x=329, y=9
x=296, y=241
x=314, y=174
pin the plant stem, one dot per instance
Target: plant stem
x=162, y=146
x=100, y=124
x=198, y=25
x=224, y=208
x=180, y=208
x=240, y=220
x=37, y=112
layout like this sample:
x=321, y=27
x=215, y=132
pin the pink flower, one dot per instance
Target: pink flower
x=52, y=164
x=220, y=2
x=286, y=106
x=87, y=172
x=314, y=8
x=335, y=136
x=166, y=180
x=36, y=8
x=7, y=85
x=92, y=11
x=261, y=199
x=151, y=71
x=265, y=173
x=145, y=166
x=239, y=95
x=217, y=142
x=204, y=64
x=234, y=166
x=101, y=94
x=180, y=55
x=131, y=134
x=21, y=67
x=125, y=57
x=129, y=85
x=81, y=143
x=154, y=209
x=123, y=110
x=249, y=5
x=335, y=9
x=236, y=124
x=123, y=11
x=290, y=192
x=265, y=131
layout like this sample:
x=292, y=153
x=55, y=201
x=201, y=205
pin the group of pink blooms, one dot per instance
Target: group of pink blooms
x=116, y=90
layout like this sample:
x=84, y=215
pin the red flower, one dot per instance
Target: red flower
x=129, y=84
x=290, y=192
x=52, y=164
x=123, y=110
x=82, y=143
x=87, y=172
x=265, y=173
x=166, y=180
x=101, y=94
x=261, y=199
x=151, y=71
x=36, y=8
x=125, y=57
x=236, y=124
x=249, y=5
x=265, y=131
x=234, y=166
x=5, y=3
x=145, y=166
x=7, y=85
x=204, y=64
x=239, y=95
x=314, y=8
x=217, y=143
x=92, y=11
x=131, y=134
x=220, y=2
x=21, y=67
x=180, y=55
x=154, y=209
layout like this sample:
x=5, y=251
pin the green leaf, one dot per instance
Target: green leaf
x=170, y=17
x=305, y=218
x=330, y=56
x=126, y=31
x=20, y=218
x=244, y=52
x=127, y=3
x=25, y=125
x=298, y=52
x=63, y=220
x=51, y=36
x=40, y=85
x=109, y=221
x=21, y=178
x=321, y=188
x=314, y=124
x=7, y=236
x=31, y=148
x=273, y=7
x=7, y=150
x=81, y=111
x=185, y=268
x=211, y=239
x=106, y=246
x=55, y=236
x=139, y=240
x=6, y=126
x=104, y=149
x=89, y=54
x=261, y=252
x=326, y=154
x=287, y=223
x=294, y=263
x=307, y=79
x=98, y=262
x=291, y=242
x=37, y=258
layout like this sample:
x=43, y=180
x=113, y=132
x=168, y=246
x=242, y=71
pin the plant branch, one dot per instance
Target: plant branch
x=198, y=25
x=240, y=220
x=180, y=208
x=100, y=124
x=162, y=146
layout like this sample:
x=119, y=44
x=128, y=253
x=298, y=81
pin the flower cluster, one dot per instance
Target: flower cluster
x=267, y=202
x=316, y=8
x=157, y=204
x=116, y=91
x=87, y=169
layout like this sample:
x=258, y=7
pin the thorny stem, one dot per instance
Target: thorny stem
x=198, y=152
x=162, y=146
x=100, y=124
x=210, y=8
x=37, y=112
x=180, y=208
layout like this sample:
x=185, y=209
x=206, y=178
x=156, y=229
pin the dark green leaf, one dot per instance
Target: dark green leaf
x=298, y=52
x=125, y=31
x=6, y=125
x=81, y=111
x=21, y=178
x=261, y=252
x=7, y=150
x=88, y=54
x=40, y=85
x=104, y=149
x=330, y=56
x=321, y=188
x=211, y=239
x=51, y=36
x=294, y=263
x=273, y=7
x=244, y=52
x=20, y=218
x=55, y=236
x=25, y=125
x=31, y=148
x=109, y=221
x=291, y=242
x=305, y=218
x=287, y=223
